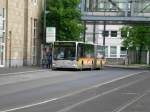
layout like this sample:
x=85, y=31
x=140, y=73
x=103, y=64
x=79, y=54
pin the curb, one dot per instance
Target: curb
x=128, y=67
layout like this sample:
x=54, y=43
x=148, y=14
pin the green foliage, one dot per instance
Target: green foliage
x=136, y=37
x=64, y=15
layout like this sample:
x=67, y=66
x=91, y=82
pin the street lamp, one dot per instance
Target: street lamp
x=45, y=13
x=127, y=57
x=44, y=33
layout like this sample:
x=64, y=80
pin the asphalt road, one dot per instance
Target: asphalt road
x=109, y=90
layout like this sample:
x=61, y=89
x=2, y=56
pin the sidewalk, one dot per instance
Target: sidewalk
x=6, y=71
x=141, y=67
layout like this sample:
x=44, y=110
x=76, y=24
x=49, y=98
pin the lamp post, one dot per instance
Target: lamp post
x=104, y=40
x=44, y=33
x=10, y=45
x=45, y=15
x=127, y=57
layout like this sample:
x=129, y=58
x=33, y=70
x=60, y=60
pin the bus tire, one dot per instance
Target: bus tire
x=101, y=65
x=82, y=64
x=53, y=69
x=92, y=66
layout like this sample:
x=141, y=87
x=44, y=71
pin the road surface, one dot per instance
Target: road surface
x=108, y=90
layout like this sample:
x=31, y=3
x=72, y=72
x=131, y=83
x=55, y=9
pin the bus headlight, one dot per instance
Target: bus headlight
x=74, y=65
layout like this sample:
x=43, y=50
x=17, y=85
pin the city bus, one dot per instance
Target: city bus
x=77, y=55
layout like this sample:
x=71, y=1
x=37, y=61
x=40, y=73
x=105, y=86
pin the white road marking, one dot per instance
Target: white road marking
x=16, y=73
x=28, y=106
x=74, y=93
x=131, y=102
x=97, y=96
x=129, y=93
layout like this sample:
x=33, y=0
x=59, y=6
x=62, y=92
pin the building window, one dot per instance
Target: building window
x=123, y=52
x=34, y=2
x=2, y=31
x=106, y=51
x=99, y=52
x=113, y=51
x=123, y=34
x=105, y=33
x=34, y=42
x=2, y=25
x=114, y=33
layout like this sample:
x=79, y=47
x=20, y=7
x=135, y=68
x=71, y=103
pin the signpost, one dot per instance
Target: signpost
x=50, y=34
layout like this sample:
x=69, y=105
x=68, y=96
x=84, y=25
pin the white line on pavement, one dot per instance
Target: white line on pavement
x=16, y=73
x=131, y=102
x=97, y=96
x=71, y=94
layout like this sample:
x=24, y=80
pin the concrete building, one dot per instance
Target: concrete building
x=108, y=16
x=20, y=36
x=114, y=50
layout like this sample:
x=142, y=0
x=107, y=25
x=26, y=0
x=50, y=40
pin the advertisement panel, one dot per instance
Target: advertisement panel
x=50, y=34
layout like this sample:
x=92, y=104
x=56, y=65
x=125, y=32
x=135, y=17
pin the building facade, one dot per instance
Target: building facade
x=114, y=50
x=20, y=34
x=107, y=17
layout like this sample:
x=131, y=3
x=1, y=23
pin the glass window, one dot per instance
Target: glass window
x=34, y=2
x=123, y=52
x=34, y=41
x=106, y=51
x=64, y=51
x=105, y=33
x=113, y=33
x=1, y=54
x=3, y=12
x=35, y=28
x=99, y=51
x=123, y=34
x=85, y=50
x=1, y=39
x=101, y=5
x=89, y=37
x=113, y=51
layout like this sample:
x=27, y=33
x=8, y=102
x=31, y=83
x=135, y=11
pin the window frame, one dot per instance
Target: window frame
x=114, y=32
x=113, y=55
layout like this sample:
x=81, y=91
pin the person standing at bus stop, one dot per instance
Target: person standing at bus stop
x=49, y=59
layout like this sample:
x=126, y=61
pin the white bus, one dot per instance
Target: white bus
x=76, y=55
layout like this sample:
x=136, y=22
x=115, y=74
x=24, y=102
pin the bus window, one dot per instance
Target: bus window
x=64, y=52
x=89, y=51
x=85, y=51
x=80, y=50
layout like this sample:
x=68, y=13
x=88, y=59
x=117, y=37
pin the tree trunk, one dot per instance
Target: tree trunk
x=140, y=54
x=149, y=57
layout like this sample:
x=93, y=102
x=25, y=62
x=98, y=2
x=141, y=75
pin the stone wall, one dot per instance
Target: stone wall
x=20, y=16
x=115, y=61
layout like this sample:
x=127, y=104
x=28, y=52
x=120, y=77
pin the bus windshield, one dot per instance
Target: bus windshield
x=64, y=51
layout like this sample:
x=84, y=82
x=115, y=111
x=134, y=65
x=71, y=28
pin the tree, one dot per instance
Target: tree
x=136, y=37
x=66, y=17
